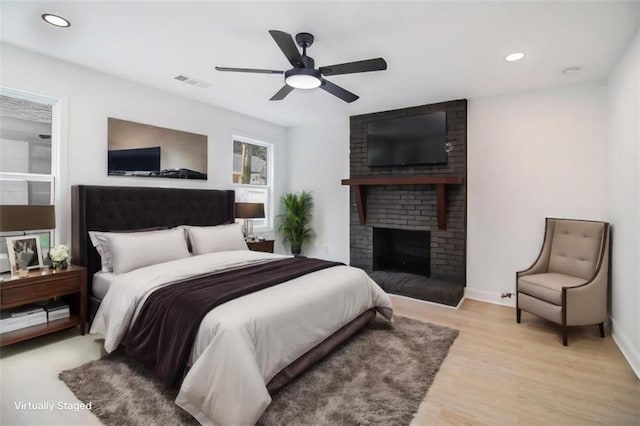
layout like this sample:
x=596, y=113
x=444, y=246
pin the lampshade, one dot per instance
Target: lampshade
x=249, y=210
x=26, y=218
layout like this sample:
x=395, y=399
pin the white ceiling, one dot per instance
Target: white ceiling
x=435, y=51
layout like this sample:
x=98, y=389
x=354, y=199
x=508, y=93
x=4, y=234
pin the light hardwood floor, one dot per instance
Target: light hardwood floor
x=497, y=373
x=502, y=373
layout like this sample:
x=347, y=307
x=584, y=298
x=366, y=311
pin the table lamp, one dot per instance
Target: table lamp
x=248, y=211
x=20, y=218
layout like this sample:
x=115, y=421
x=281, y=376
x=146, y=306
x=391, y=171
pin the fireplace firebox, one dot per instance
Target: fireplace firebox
x=401, y=250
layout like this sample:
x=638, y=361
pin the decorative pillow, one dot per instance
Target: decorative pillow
x=131, y=251
x=99, y=241
x=209, y=239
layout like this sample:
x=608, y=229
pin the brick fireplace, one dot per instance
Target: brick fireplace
x=413, y=207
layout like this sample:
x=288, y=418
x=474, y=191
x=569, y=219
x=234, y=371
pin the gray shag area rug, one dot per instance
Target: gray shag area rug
x=380, y=376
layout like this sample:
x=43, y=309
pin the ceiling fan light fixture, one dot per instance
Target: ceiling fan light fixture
x=303, y=78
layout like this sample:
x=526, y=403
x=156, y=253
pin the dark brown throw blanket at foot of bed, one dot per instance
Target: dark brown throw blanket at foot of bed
x=162, y=336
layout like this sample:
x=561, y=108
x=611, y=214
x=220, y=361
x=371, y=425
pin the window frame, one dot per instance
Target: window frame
x=53, y=178
x=269, y=205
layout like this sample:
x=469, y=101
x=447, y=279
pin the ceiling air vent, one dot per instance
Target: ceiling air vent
x=193, y=81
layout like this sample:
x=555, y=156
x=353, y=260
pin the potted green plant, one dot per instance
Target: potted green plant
x=293, y=223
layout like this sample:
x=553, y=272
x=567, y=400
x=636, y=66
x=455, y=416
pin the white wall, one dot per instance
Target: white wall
x=530, y=155
x=319, y=159
x=623, y=190
x=89, y=97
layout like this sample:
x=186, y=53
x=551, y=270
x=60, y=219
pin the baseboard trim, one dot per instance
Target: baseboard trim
x=489, y=297
x=626, y=347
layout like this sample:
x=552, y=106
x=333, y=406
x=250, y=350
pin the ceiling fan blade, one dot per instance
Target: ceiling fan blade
x=338, y=91
x=377, y=64
x=288, y=46
x=282, y=93
x=252, y=70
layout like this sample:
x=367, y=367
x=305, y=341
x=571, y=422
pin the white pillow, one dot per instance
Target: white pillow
x=209, y=239
x=123, y=252
x=99, y=241
x=137, y=250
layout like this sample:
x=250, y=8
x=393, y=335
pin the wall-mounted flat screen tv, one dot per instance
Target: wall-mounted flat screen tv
x=419, y=139
x=134, y=161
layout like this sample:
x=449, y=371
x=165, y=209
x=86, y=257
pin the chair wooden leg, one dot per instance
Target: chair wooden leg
x=601, y=328
x=518, y=315
x=564, y=335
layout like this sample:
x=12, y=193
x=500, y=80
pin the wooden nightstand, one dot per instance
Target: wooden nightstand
x=41, y=285
x=265, y=245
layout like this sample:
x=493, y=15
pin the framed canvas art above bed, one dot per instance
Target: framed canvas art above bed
x=143, y=150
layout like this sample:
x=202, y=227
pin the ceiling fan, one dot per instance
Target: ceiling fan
x=304, y=75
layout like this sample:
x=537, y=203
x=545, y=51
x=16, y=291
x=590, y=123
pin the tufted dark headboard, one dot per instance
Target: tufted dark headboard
x=121, y=208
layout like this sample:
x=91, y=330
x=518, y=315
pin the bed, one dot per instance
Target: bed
x=246, y=348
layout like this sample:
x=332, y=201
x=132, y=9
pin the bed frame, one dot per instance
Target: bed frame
x=117, y=208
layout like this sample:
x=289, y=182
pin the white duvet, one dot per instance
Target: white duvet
x=242, y=344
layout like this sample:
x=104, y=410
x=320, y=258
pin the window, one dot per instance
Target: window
x=28, y=157
x=252, y=177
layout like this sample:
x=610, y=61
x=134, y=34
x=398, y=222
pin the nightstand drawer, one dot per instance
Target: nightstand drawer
x=41, y=290
x=265, y=245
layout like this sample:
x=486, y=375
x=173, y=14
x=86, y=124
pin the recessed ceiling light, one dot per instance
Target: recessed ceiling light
x=56, y=20
x=571, y=71
x=514, y=57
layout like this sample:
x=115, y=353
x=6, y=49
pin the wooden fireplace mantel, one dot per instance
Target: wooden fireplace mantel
x=439, y=181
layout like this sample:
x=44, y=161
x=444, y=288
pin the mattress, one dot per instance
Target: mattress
x=101, y=283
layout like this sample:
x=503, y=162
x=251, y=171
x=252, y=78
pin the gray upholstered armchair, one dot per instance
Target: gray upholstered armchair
x=567, y=284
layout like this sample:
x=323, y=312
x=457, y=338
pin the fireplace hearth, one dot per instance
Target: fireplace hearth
x=419, y=287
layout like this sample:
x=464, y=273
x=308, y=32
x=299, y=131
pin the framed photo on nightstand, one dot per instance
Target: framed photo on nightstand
x=24, y=253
